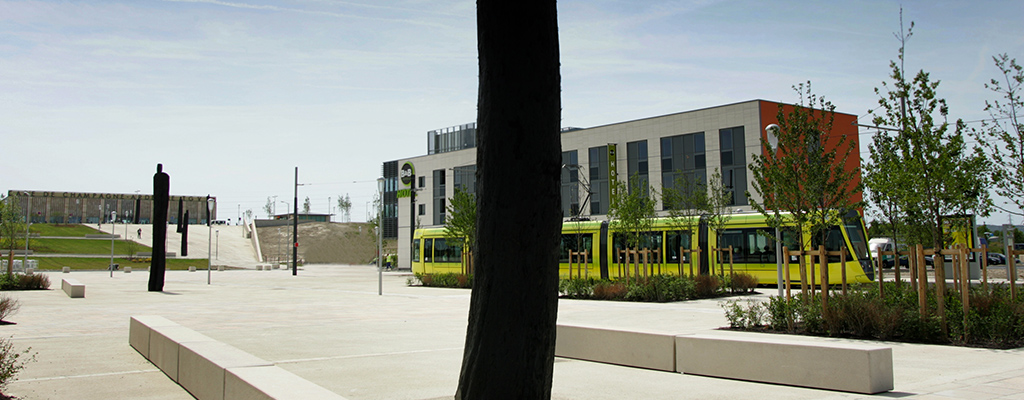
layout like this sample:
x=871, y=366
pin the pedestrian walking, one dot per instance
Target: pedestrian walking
x=140, y=233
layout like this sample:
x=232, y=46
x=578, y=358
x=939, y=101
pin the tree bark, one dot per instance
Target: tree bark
x=510, y=339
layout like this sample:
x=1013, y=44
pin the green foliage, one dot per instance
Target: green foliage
x=12, y=362
x=63, y=230
x=12, y=225
x=686, y=201
x=749, y=316
x=632, y=211
x=306, y=205
x=460, y=218
x=24, y=282
x=655, y=288
x=993, y=320
x=444, y=280
x=85, y=246
x=1003, y=135
x=805, y=175
x=924, y=171
x=742, y=282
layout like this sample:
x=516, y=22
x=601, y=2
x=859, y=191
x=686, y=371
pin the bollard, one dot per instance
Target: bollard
x=29, y=271
x=191, y=269
x=66, y=270
x=127, y=270
x=220, y=267
x=259, y=267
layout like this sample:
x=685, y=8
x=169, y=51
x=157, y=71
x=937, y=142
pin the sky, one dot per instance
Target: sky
x=231, y=96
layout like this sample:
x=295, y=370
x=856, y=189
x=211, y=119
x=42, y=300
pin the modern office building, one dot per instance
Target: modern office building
x=656, y=150
x=92, y=208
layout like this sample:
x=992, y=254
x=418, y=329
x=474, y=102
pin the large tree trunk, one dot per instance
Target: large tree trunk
x=510, y=340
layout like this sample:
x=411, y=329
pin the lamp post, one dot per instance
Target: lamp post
x=209, y=237
x=113, y=215
x=772, y=133
x=28, y=222
x=380, y=236
x=218, y=243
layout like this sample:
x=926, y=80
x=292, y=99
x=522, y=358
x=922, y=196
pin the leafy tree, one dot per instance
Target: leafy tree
x=884, y=177
x=345, y=205
x=803, y=180
x=306, y=206
x=269, y=208
x=632, y=210
x=510, y=338
x=718, y=198
x=11, y=224
x=937, y=174
x=1003, y=136
x=686, y=201
x=460, y=219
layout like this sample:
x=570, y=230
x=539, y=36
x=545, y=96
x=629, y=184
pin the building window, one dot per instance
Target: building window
x=422, y=209
x=734, y=164
x=636, y=160
x=451, y=139
x=423, y=182
x=570, y=183
x=465, y=178
x=682, y=157
x=598, y=170
x=439, y=196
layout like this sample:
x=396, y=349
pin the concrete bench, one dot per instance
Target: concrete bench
x=102, y=236
x=790, y=361
x=73, y=288
x=210, y=369
x=635, y=349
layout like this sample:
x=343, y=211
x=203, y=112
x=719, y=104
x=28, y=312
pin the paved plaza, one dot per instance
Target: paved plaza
x=328, y=325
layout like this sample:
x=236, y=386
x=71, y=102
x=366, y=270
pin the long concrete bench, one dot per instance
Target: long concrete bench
x=210, y=369
x=635, y=349
x=73, y=288
x=832, y=365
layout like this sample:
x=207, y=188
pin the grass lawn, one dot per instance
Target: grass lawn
x=56, y=263
x=72, y=230
x=84, y=246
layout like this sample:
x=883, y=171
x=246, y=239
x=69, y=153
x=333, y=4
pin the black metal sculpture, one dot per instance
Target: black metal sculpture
x=161, y=196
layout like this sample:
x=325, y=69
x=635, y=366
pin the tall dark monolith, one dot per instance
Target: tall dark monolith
x=183, y=228
x=161, y=196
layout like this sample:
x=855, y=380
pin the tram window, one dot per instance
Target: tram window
x=736, y=239
x=428, y=250
x=857, y=241
x=445, y=252
x=416, y=250
x=749, y=246
x=575, y=243
x=833, y=242
x=673, y=241
x=648, y=240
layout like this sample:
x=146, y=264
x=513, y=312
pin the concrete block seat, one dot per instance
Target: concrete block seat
x=788, y=361
x=73, y=288
x=634, y=349
x=210, y=369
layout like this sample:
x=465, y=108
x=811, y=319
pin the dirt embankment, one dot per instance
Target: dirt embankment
x=321, y=243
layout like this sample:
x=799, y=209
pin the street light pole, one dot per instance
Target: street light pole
x=218, y=243
x=295, y=227
x=772, y=133
x=28, y=222
x=380, y=237
x=113, y=215
x=209, y=237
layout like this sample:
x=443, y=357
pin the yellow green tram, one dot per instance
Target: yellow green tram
x=753, y=252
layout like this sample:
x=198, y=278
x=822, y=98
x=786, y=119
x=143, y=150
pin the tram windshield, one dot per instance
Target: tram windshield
x=855, y=231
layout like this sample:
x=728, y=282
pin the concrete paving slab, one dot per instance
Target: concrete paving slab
x=329, y=326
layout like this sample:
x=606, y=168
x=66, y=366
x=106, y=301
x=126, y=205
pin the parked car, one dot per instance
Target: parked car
x=996, y=259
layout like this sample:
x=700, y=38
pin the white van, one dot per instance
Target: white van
x=884, y=244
